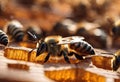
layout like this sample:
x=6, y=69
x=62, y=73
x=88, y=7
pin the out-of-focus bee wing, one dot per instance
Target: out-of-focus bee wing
x=72, y=39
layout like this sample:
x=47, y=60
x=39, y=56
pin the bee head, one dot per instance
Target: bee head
x=52, y=42
x=52, y=39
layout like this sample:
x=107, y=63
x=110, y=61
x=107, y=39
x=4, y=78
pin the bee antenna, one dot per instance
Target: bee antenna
x=33, y=35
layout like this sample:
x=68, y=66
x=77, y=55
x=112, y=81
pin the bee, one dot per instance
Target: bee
x=68, y=46
x=65, y=27
x=3, y=38
x=88, y=30
x=116, y=28
x=115, y=61
x=114, y=34
x=15, y=30
x=34, y=30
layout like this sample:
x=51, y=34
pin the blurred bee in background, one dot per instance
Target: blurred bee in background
x=116, y=29
x=88, y=30
x=115, y=61
x=15, y=30
x=34, y=30
x=3, y=38
x=114, y=32
x=65, y=27
x=80, y=12
x=27, y=40
x=68, y=46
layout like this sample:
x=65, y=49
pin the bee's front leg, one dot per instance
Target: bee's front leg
x=41, y=48
x=65, y=53
x=30, y=53
x=47, y=57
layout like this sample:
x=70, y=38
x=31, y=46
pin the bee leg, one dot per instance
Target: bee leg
x=42, y=47
x=65, y=56
x=78, y=56
x=30, y=53
x=70, y=54
x=47, y=57
x=32, y=50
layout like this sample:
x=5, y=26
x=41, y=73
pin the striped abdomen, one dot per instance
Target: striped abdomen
x=15, y=32
x=82, y=47
x=3, y=38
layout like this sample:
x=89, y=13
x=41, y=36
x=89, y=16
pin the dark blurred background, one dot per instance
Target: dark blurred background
x=96, y=20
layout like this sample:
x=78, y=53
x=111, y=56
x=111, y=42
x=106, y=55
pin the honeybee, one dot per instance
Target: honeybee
x=15, y=30
x=65, y=27
x=114, y=33
x=116, y=28
x=115, y=62
x=68, y=46
x=34, y=30
x=88, y=30
x=3, y=38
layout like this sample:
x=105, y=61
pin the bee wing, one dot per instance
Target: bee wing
x=72, y=39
